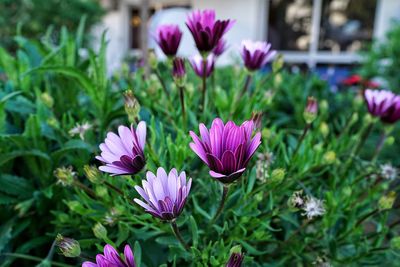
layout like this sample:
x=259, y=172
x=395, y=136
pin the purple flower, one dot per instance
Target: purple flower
x=178, y=68
x=110, y=257
x=383, y=104
x=235, y=260
x=198, y=65
x=256, y=54
x=226, y=149
x=123, y=154
x=207, y=31
x=168, y=38
x=165, y=195
x=220, y=48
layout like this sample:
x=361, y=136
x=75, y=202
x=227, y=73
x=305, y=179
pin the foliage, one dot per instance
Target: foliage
x=46, y=88
x=32, y=18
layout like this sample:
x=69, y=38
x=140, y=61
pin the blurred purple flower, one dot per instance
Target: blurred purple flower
x=178, y=68
x=198, y=65
x=256, y=54
x=226, y=149
x=168, y=37
x=235, y=260
x=207, y=31
x=165, y=195
x=123, y=154
x=220, y=48
x=110, y=257
x=383, y=104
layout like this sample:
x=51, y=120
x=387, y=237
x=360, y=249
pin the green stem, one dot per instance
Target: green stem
x=301, y=139
x=379, y=146
x=225, y=191
x=246, y=84
x=163, y=85
x=33, y=258
x=85, y=188
x=118, y=191
x=182, y=98
x=204, y=79
x=178, y=235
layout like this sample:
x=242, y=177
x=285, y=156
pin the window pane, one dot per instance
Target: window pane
x=290, y=24
x=346, y=25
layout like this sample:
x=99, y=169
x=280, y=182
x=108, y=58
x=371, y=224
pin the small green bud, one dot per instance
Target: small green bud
x=354, y=118
x=277, y=64
x=347, y=191
x=278, y=80
x=277, y=176
x=324, y=129
x=329, y=157
x=153, y=62
x=311, y=110
x=53, y=122
x=92, y=174
x=132, y=106
x=395, y=242
x=236, y=249
x=100, y=231
x=68, y=247
x=318, y=147
x=47, y=99
x=389, y=140
x=259, y=197
x=324, y=106
x=367, y=119
x=65, y=176
x=386, y=202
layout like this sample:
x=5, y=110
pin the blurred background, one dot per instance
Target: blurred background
x=316, y=34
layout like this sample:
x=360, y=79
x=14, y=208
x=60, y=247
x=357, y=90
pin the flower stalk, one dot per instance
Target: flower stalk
x=178, y=235
x=225, y=191
x=204, y=83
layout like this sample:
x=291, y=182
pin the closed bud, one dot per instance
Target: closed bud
x=386, y=202
x=132, y=106
x=236, y=258
x=277, y=176
x=68, y=247
x=395, y=243
x=277, y=64
x=178, y=71
x=311, y=110
x=277, y=80
x=367, y=118
x=329, y=157
x=153, y=62
x=389, y=140
x=324, y=106
x=92, y=174
x=47, y=99
x=324, y=129
x=65, y=176
x=100, y=231
x=354, y=118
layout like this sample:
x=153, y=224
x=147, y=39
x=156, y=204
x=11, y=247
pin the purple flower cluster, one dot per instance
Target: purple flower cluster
x=226, y=148
x=383, y=104
x=110, y=257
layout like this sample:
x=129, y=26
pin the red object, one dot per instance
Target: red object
x=356, y=79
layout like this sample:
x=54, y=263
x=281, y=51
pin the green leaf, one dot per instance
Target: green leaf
x=16, y=186
x=69, y=147
x=195, y=231
x=23, y=153
x=137, y=251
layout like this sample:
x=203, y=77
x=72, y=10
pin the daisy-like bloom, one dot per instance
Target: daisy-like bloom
x=220, y=48
x=383, y=104
x=198, y=65
x=226, y=149
x=80, y=129
x=123, y=153
x=207, y=31
x=111, y=257
x=168, y=37
x=165, y=194
x=313, y=207
x=178, y=68
x=256, y=54
x=235, y=260
x=388, y=171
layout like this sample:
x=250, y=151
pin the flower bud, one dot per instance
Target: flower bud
x=132, y=106
x=395, y=243
x=100, y=231
x=277, y=176
x=278, y=80
x=389, y=140
x=367, y=119
x=324, y=129
x=386, y=202
x=178, y=71
x=311, y=110
x=65, y=176
x=354, y=118
x=153, y=62
x=236, y=257
x=68, y=247
x=92, y=174
x=47, y=99
x=323, y=106
x=329, y=157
